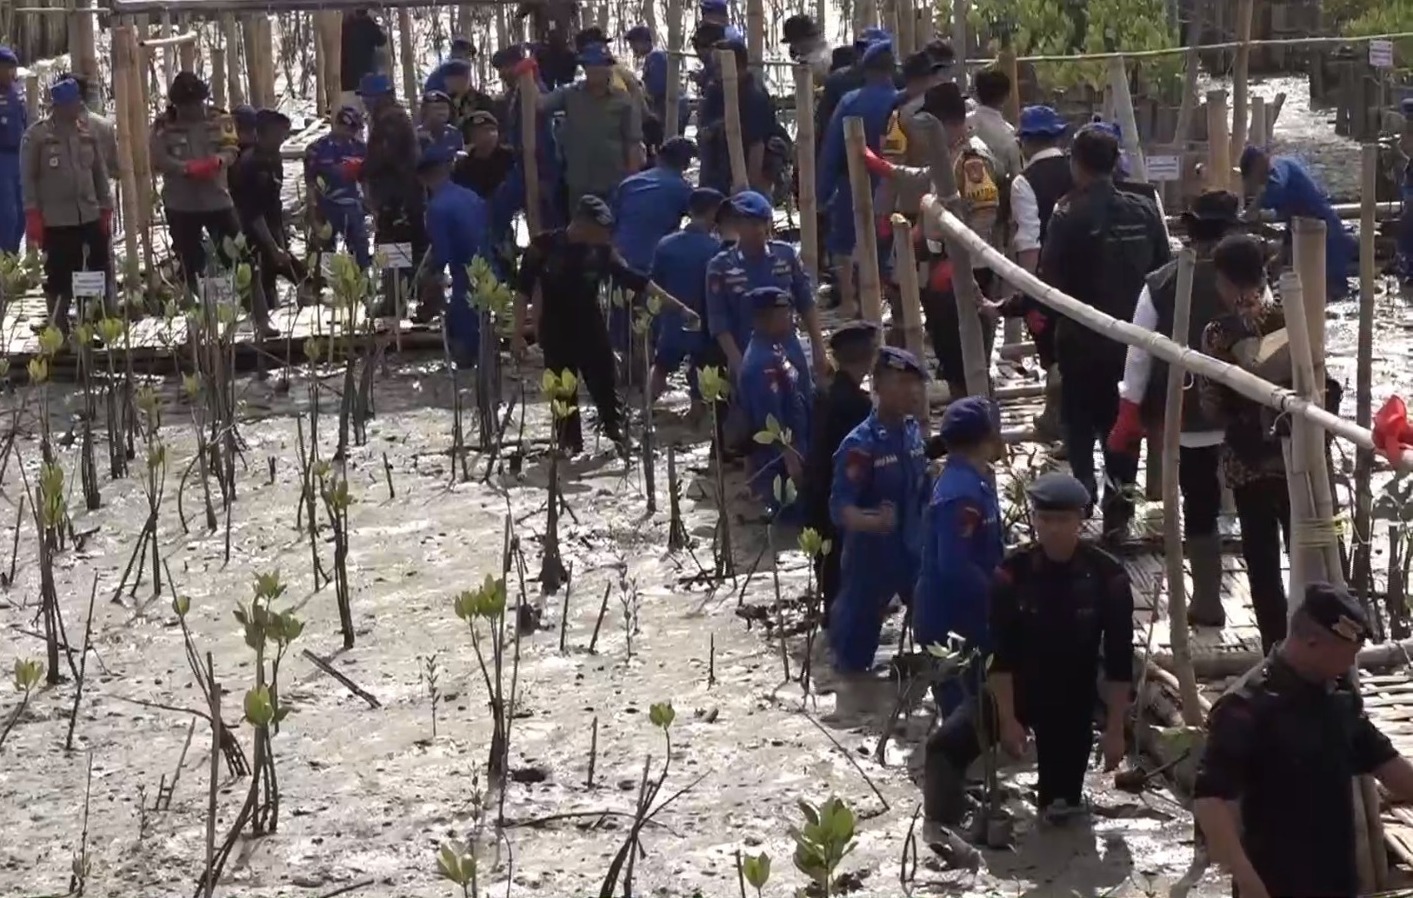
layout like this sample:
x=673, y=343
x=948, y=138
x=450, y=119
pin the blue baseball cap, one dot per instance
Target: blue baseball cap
x=595, y=55
x=1109, y=127
x=456, y=66
x=434, y=155
x=968, y=420
x=891, y=358
x=704, y=200
x=374, y=84
x=750, y=204
x=856, y=331
x=638, y=33
x=714, y=7
x=765, y=298
x=8, y=56
x=1040, y=121
x=65, y=92
x=870, y=36
x=436, y=96
x=244, y=115
x=877, y=52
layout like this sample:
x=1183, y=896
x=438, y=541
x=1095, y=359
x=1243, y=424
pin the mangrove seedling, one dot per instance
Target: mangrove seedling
x=630, y=597
x=815, y=548
x=756, y=869
x=28, y=673
x=430, y=673
x=676, y=529
x=50, y=511
x=715, y=387
x=337, y=499
x=661, y=715
x=823, y=842
x=561, y=389
x=493, y=302
x=643, y=327
x=485, y=608
x=458, y=864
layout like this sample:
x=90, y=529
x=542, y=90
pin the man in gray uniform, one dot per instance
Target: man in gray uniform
x=602, y=133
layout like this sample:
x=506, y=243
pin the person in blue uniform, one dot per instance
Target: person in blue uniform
x=718, y=13
x=14, y=120
x=874, y=103
x=964, y=540
x=509, y=62
x=679, y=265
x=1055, y=606
x=838, y=409
x=435, y=128
x=1282, y=185
x=654, y=61
x=757, y=261
x=647, y=207
x=333, y=167
x=845, y=79
x=876, y=500
x=771, y=386
x=459, y=230
x=758, y=125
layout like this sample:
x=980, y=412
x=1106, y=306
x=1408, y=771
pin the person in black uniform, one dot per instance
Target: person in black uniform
x=1101, y=244
x=838, y=409
x=390, y=184
x=1281, y=751
x=259, y=176
x=558, y=285
x=1056, y=606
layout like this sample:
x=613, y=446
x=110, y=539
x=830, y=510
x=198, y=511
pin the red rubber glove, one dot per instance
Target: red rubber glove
x=351, y=169
x=1392, y=432
x=34, y=228
x=105, y=221
x=527, y=66
x=202, y=169
x=1128, y=429
x=885, y=227
x=876, y=164
x=941, y=277
x=1036, y=321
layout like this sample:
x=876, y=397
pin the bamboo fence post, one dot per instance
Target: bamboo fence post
x=188, y=56
x=130, y=197
x=231, y=36
x=330, y=25
x=1006, y=62
x=865, y=234
x=254, y=65
x=32, y=95
x=1240, y=92
x=169, y=63
x=805, y=169
x=1362, y=562
x=959, y=43
x=321, y=67
x=673, y=123
x=907, y=29
x=1218, y=175
x=947, y=201
x=138, y=107
x=1128, y=122
x=755, y=33
x=731, y=87
x=218, y=76
x=529, y=97
x=1172, y=505
x=1257, y=135
x=409, y=61
x=83, y=51
x=650, y=17
x=1182, y=132
x=910, y=292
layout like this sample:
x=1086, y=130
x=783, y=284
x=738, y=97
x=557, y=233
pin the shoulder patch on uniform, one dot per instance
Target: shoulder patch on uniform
x=895, y=141
x=857, y=464
x=969, y=518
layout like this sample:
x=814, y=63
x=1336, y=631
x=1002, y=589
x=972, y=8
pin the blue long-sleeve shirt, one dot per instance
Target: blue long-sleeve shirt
x=14, y=118
x=459, y=230
x=874, y=104
x=1291, y=192
x=963, y=547
x=734, y=273
x=323, y=167
x=647, y=207
x=655, y=76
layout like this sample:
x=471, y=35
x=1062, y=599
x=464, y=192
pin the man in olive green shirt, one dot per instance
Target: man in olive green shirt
x=602, y=133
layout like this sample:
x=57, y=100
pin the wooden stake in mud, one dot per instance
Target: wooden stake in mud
x=218, y=76
x=528, y=94
x=731, y=88
x=910, y=292
x=123, y=62
x=1256, y=133
x=409, y=60
x=1364, y=382
x=673, y=123
x=1172, y=506
x=865, y=234
x=231, y=39
x=142, y=162
x=1218, y=175
x=1240, y=88
x=805, y=168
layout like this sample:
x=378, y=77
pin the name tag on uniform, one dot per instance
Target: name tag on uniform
x=219, y=290
x=395, y=255
x=90, y=284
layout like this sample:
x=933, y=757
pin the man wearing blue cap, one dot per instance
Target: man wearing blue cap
x=14, y=119
x=260, y=174
x=435, y=127
x=68, y=197
x=876, y=500
x=1045, y=179
x=964, y=538
x=772, y=387
x=654, y=62
x=679, y=265
x=458, y=231
x=646, y=208
x=845, y=80
x=1055, y=606
x=758, y=261
x=333, y=168
x=364, y=50
x=453, y=78
x=390, y=184
x=1284, y=186
x=758, y=125
x=873, y=103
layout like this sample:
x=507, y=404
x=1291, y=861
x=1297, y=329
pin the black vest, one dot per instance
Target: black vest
x=1050, y=179
x=1206, y=305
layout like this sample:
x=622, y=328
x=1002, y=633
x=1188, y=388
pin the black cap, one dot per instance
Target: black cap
x=921, y=65
x=945, y=102
x=1216, y=206
x=188, y=87
x=591, y=35
x=707, y=35
x=507, y=56
x=1335, y=610
x=481, y=117
x=678, y=151
x=853, y=333
x=799, y=27
x=270, y=118
x=1058, y=491
x=595, y=210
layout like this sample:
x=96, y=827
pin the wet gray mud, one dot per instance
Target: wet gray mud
x=368, y=794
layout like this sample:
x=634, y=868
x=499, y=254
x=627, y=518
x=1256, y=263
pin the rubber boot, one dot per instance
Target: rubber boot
x=944, y=798
x=1204, y=554
x=1047, y=423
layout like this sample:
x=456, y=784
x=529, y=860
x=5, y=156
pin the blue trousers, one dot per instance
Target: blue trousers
x=349, y=224
x=869, y=579
x=12, y=205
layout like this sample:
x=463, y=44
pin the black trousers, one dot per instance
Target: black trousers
x=397, y=223
x=944, y=331
x=1200, y=479
x=1263, y=508
x=189, y=231
x=267, y=274
x=68, y=249
x=580, y=343
x=1089, y=406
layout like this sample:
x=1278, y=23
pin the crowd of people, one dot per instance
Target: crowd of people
x=846, y=452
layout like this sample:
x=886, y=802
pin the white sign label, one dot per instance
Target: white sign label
x=219, y=290
x=90, y=284
x=1164, y=168
x=395, y=255
x=1381, y=54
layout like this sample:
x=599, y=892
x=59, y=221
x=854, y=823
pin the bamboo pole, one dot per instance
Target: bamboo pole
x=1362, y=563
x=673, y=123
x=529, y=96
x=322, y=69
x=123, y=64
x=409, y=61
x=805, y=169
x=909, y=288
x=32, y=96
x=254, y=65
x=1192, y=67
x=1218, y=174
x=731, y=87
x=1229, y=375
x=1257, y=135
x=165, y=43
x=218, y=76
x=265, y=39
x=959, y=42
x=83, y=49
x=169, y=64
x=1128, y=122
x=1006, y=62
x=1240, y=93
x=1172, y=505
x=188, y=57
x=231, y=36
x=142, y=163
x=755, y=32
x=865, y=234
x=907, y=29
x=330, y=27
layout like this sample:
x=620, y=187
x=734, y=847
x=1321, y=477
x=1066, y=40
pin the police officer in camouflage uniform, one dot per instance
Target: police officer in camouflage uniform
x=68, y=196
x=193, y=146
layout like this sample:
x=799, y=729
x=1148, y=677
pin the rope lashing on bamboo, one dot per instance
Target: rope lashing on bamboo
x=1241, y=381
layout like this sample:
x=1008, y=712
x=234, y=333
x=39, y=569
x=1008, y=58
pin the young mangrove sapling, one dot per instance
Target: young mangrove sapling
x=715, y=388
